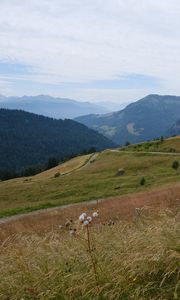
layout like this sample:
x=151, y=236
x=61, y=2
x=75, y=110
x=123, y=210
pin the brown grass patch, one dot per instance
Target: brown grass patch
x=117, y=208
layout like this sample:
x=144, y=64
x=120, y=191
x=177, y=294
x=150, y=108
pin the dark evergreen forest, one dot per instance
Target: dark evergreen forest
x=28, y=139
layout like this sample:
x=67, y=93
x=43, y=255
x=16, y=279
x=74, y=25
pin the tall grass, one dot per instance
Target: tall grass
x=134, y=260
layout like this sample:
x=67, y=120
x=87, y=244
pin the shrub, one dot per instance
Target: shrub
x=142, y=181
x=57, y=174
x=175, y=165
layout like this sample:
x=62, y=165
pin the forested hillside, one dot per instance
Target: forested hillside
x=27, y=139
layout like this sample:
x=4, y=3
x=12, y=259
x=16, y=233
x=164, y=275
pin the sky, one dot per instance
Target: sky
x=95, y=50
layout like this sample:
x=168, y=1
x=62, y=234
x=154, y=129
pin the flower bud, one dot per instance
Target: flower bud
x=89, y=219
x=82, y=217
x=86, y=223
x=95, y=214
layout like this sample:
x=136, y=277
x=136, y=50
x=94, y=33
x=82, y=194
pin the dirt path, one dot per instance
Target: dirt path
x=84, y=165
x=45, y=210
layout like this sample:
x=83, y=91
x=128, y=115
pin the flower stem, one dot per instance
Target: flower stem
x=91, y=255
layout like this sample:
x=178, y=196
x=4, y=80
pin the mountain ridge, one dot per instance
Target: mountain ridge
x=54, y=107
x=147, y=118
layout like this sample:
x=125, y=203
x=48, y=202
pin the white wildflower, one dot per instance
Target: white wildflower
x=86, y=223
x=89, y=219
x=82, y=217
x=95, y=214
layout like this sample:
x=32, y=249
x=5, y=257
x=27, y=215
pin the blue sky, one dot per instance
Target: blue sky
x=94, y=50
x=14, y=69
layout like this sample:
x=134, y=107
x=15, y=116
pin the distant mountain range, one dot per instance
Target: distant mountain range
x=58, y=108
x=27, y=139
x=145, y=119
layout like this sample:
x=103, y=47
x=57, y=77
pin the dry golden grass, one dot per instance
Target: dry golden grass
x=136, y=260
x=65, y=168
x=172, y=142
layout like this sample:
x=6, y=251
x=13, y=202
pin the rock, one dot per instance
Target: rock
x=120, y=172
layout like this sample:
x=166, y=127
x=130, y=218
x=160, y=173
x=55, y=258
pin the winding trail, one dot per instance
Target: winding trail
x=84, y=165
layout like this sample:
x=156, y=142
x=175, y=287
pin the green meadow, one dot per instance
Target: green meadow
x=97, y=179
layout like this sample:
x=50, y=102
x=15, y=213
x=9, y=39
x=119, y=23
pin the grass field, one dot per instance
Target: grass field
x=97, y=180
x=138, y=260
x=130, y=252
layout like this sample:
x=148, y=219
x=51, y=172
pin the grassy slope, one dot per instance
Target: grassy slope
x=65, y=168
x=171, y=145
x=97, y=180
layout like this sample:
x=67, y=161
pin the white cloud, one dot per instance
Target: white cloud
x=81, y=40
